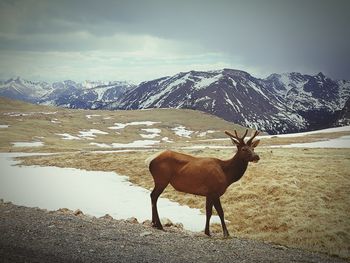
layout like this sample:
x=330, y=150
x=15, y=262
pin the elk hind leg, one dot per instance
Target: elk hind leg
x=158, y=189
x=218, y=207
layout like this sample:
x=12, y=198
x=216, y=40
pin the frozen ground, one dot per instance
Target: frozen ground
x=95, y=193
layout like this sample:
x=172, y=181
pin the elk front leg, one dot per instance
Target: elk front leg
x=209, y=211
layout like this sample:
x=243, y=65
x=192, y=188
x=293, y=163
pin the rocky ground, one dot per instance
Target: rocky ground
x=35, y=235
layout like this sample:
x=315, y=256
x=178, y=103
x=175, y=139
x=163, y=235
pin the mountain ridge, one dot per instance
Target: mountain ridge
x=279, y=103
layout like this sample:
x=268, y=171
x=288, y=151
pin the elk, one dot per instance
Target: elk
x=207, y=177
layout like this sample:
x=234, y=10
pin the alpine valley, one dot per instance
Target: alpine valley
x=280, y=103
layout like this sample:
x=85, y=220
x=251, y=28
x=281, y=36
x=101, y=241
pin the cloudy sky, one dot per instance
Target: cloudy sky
x=142, y=40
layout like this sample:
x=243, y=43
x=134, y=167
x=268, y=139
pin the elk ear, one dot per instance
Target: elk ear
x=255, y=143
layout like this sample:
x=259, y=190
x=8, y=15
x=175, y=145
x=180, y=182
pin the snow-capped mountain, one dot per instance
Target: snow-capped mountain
x=85, y=95
x=281, y=103
x=20, y=89
x=344, y=115
x=68, y=93
x=318, y=99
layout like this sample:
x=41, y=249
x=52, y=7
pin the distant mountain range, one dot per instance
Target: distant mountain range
x=68, y=93
x=280, y=103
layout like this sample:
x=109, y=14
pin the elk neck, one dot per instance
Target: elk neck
x=234, y=168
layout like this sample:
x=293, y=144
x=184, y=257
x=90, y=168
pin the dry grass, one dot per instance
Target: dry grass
x=294, y=197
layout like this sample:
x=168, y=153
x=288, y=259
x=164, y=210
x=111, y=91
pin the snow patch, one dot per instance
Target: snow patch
x=182, y=131
x=167, y=90
x=152, y=130
x=205, y=133
x=166, y=139
x=3, y=126
x=89, y=116
x=229, y=101
x=134, y=144
x=341, y=142
x=100, y=92
x=67, y=136
x=21, y=114
x=27, y=144
x=152, y=133
x=118, y=126
x=90, y=133
x=55, y=121
x=205, y=82
x=201, y=147
x=300, y=134
x=101, y=145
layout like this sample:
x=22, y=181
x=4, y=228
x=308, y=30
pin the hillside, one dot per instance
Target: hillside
x=60, y=129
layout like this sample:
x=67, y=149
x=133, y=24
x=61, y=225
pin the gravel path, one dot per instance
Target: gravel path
x=35, y=235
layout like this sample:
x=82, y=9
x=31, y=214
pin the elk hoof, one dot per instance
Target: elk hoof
x=226, y=235
x=207, y=233
x=158, y=226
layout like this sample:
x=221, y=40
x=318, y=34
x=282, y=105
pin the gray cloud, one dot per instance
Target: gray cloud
x=272, y=35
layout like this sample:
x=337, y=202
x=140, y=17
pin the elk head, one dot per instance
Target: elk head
x=245, y=149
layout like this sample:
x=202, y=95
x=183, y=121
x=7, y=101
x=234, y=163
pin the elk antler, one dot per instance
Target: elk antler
x=256, y=133
x=235, y=138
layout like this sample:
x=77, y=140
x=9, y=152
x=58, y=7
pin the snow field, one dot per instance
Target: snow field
x=95, y=193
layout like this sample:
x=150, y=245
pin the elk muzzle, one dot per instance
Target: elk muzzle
x=255, y=158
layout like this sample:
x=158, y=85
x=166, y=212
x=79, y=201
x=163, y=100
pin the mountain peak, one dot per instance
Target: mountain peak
x=16, y=79
x=321, y=75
